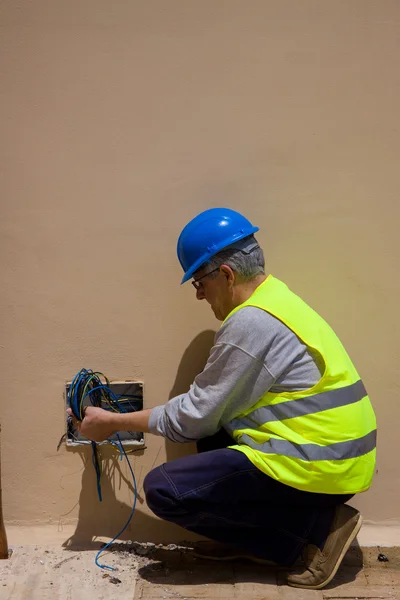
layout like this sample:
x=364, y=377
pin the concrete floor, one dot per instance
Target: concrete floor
x=50, y=572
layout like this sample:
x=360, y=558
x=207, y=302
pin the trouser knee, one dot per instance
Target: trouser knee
x=160, y=496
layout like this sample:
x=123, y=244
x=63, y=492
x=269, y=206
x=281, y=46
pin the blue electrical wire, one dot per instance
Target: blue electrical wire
x=101, y=394
x=96, y=464
x=122, y=452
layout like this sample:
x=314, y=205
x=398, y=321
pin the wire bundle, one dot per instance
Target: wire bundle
x=87, y=388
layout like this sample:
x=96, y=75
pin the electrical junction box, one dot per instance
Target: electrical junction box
x=132, y=392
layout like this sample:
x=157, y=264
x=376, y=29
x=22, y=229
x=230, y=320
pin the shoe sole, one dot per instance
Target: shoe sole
x=234, y=557
x=347, y=545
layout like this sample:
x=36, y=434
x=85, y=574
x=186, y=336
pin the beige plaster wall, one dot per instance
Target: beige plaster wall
x=120, y=120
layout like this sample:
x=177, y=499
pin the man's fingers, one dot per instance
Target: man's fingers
x=74, y=420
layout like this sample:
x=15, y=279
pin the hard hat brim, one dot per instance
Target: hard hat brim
x=205, y=258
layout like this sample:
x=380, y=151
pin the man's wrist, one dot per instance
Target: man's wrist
x=121, y=421
x=114, y=420
x=130, y=421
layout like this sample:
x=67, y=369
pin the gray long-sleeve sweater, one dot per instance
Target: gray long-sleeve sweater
x=253, y=352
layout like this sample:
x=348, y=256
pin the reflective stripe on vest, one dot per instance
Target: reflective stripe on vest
x=302, y=406
x=314, y=452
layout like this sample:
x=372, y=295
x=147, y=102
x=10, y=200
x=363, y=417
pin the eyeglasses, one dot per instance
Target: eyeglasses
x=196, y=284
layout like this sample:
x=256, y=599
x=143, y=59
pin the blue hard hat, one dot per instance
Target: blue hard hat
x=207, y=234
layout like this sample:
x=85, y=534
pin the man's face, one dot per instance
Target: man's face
x=216, y=287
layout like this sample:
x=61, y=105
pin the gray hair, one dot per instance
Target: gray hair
x=245, y=257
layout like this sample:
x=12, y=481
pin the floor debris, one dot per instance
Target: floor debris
x=148, y=571
x=382, y=557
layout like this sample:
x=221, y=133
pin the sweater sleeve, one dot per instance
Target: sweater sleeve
x=253, y=353
x=232, y=381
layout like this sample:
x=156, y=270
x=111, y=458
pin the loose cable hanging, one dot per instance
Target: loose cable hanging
x=87, y=388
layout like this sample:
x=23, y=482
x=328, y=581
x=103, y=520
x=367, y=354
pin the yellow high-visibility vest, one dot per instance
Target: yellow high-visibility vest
x=319, y=440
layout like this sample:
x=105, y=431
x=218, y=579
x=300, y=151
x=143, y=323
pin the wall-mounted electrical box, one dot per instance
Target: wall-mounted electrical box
x=130, y=394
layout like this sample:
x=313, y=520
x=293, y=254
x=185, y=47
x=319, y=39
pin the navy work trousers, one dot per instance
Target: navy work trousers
x=220, y=494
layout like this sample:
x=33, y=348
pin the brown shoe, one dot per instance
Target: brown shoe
x=223, y=552
x=321, y=565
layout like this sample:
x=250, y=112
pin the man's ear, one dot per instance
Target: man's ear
x=229, y=274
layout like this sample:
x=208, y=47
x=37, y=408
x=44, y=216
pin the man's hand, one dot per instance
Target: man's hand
x=97, y=425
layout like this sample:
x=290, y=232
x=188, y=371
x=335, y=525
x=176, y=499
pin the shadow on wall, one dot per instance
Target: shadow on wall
x=192, y=363
x=105, y=519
